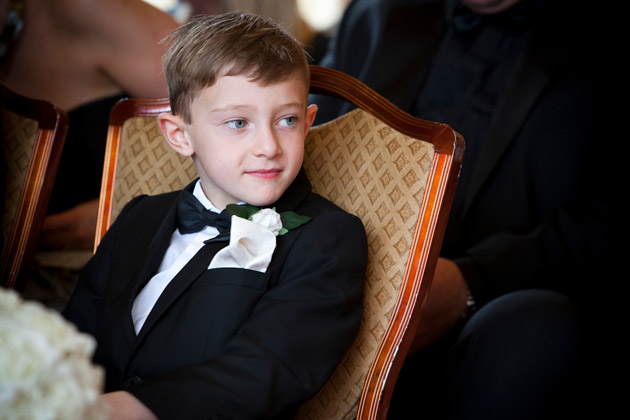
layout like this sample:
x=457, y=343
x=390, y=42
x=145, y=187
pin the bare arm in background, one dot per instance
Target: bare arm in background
x=72, y=52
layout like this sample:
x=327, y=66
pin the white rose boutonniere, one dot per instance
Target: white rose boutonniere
x=269, y=219
x=46, y=370
x=253, y=237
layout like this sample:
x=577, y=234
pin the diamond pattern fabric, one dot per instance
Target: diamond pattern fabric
x=378, y=174
x=147, y=164
x=19, y=134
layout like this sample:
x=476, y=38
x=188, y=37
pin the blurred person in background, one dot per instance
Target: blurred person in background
x=502, y=334
x=83, y=56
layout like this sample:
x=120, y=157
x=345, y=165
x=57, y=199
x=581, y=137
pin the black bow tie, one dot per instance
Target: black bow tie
x=192, y=216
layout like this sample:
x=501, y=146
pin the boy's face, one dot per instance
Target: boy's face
x=247, y=140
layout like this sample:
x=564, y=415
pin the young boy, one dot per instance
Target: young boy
x=246, y=327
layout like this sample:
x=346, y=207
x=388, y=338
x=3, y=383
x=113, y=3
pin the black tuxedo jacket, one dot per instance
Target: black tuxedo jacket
x=535, y=210
x=225, y=343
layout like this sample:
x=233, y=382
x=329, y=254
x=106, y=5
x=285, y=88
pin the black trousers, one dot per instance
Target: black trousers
x=521, y=356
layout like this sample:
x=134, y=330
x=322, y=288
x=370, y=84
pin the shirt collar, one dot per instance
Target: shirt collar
x=295, y=194
x=292, y=197
x=201, y=196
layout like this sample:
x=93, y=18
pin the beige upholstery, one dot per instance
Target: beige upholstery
x=378, y=174
x=19, y=134
x=147, y=164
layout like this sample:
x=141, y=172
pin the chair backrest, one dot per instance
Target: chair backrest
x=394, y=171
x=137, y=159
x=33, y=133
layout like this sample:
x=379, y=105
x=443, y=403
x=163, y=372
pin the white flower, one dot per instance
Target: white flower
x=269, y=219
x=45, y=365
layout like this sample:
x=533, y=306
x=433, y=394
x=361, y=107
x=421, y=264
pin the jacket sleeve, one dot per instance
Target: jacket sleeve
x=563, y=252
x=82, y=308
x=387, y=45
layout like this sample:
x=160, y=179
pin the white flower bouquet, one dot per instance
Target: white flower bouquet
x=45, y=365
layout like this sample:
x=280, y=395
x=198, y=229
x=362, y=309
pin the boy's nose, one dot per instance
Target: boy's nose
x=267, y=144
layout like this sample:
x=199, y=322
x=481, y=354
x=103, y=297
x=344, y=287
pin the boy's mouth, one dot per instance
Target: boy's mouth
x=265, y=173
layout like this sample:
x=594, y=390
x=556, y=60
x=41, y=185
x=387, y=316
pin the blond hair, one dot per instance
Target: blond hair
x=210, y=46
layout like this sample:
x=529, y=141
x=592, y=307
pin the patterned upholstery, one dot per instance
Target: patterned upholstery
x=147, y=164
x=378, y=174
x=33, y=133
x=19, y=135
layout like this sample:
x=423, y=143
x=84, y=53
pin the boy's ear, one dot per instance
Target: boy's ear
x=311, y=111
x=174, y=130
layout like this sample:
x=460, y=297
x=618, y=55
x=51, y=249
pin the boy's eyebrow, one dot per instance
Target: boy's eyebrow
x=292, y=105
x=246, y=107
x=231, y=108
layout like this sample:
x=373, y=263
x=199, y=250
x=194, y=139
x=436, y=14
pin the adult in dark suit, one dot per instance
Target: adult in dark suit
x=529, y=227
x=226, y=342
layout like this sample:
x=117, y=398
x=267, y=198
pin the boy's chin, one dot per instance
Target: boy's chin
x=263, y=202
x=265, y=197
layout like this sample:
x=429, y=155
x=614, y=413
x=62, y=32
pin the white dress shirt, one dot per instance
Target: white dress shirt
x=180, y=251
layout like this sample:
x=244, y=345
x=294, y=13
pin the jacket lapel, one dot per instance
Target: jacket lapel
x=536, y=68
x=417, y=30
x=156, y=250
x=157, y=247
x=393, y=28
x=191, y=271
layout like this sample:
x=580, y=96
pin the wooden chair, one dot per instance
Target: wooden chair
x=396, y=172
x=33, y=133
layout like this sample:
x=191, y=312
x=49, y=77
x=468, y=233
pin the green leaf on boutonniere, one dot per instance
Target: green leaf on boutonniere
x=245, y=210
x=291, y=220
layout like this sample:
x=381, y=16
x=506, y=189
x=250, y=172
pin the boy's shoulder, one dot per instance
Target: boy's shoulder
x=157, y=202
x=147, y=210
x=300, y=198
x=329, y=219
x=314, y=205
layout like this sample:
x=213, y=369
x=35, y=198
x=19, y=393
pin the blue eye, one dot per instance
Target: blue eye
x=288, y=121
x=236, y=124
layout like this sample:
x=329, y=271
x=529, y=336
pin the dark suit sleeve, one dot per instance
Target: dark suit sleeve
x=563, y=252
x=82, y=308
x=293, y=339
x=356, y=25
x=386, y=44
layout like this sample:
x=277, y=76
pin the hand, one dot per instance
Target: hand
x=71, y=229
x=445, y=304
x=124, y=406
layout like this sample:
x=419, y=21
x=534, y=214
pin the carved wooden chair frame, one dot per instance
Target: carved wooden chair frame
x=52, y=126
